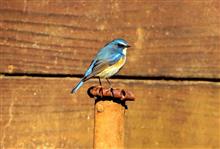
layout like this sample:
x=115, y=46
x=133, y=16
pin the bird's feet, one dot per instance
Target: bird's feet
x=112, y=91
x=101, y=91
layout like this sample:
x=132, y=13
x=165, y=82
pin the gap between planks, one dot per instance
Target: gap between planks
x=120, y=77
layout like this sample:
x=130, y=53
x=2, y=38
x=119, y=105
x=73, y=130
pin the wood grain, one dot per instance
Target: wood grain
x=168, y=38
x=41, y=113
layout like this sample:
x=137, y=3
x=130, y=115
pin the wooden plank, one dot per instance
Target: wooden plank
x=172, y=38
x=41, y=113
x=37, y=113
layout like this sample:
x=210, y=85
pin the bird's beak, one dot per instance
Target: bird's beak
x=128, y=46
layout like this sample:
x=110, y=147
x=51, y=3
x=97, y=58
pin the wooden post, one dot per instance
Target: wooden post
x=109, y=116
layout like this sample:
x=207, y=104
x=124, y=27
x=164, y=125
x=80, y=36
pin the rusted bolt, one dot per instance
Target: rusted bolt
x=100, y=92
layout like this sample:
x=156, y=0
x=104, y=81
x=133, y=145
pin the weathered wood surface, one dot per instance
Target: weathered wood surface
x=169, y=38
x=41, y=112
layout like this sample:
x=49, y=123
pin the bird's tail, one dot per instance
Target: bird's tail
x=77, y=86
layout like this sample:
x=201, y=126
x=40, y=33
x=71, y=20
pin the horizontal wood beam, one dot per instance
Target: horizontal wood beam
x=41, y=112
x=175, y=38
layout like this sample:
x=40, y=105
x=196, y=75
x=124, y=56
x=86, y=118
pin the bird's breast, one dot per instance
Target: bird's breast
x=120, y=63
x=113, y=69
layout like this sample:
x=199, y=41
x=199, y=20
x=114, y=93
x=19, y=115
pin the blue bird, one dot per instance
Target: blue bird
x=108, y=61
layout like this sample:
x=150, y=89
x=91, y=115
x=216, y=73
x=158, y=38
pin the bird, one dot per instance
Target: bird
x=107, y=62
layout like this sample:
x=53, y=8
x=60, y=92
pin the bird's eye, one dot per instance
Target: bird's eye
x=121, y=45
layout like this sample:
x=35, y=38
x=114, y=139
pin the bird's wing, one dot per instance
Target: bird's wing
x=101, y=63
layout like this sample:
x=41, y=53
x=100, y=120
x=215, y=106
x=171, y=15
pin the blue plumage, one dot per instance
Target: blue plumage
x=108, y=61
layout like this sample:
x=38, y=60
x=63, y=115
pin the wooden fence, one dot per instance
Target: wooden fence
x=173, y=68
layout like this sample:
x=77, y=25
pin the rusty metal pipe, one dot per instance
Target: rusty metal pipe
x=109, y=116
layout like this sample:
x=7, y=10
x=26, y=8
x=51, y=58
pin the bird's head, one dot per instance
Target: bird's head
x=119, y=43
